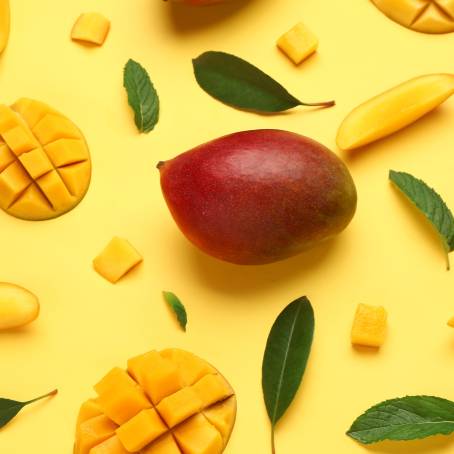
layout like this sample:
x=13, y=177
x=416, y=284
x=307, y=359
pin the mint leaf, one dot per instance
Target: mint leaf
x=142, y=96
x=429, y=202
x=406, y=418
x=177, y=306
x=10, y=408
x=236, y=82
x=286, y=355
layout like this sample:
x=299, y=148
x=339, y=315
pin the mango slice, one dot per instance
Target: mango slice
x=18, y=306
x=91, y=28
x=4, y=24
x=426, y=16
x=369, y=326
x=298, y=43
x=45, y=166
x=192, y=416
x=116, y=260
x=393, y=110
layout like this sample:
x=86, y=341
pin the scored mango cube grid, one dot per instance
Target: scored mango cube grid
x=195, y=414
x=45, y=166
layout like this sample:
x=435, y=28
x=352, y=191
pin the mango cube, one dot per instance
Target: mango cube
x=91, y=28
x=179, y=406
x=36, y=163
x=89, y=409
x=117, y=377
x=369, y=326
x=165, y=445
x=211, y=389
x=116, y=260
x=298, y=43
x=19, y=140
x=110, y=446
x=222, y=416
x=141, y=430
x=93, y=432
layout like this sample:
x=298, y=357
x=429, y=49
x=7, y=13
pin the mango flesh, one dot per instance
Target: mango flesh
x=18, y=306
x=426, y=16
x=91, y=28
x=369, y=326
x=4, y=24
x=45, y=166
x=298, y=43
x=195, y=414
x=256, y=197
x=394, y=109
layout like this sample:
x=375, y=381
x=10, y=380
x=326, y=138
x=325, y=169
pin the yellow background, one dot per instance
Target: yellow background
x=388, y=255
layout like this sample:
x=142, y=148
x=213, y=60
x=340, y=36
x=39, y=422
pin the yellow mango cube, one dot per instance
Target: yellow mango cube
x=91, y=28
x=179, y=406
x=19, y=140
x=36, y=163
x=88, y=410
x=369, y=326
x=55, y=189
x=164, y=445
x=117, y=259
x=53, y=127
x=298, y=43
x=13, y=181
x=222, y=416
x=93, y=432
x=6, y=157
x=117, y=377
x=110, y=446
x=211, y=389
x=141, y=430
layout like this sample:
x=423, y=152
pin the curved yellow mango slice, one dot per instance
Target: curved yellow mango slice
x=45, y=166
x=4, y=24
x=426, y=16
x=393, y=110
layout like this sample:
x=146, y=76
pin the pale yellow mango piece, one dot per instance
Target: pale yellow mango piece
x=394, y=109
x=451, y=322
x=211, y=389
x=36, y=141
x=298, y=43
x=198, y=436
x=4, y=24
x=426, y=16
x=110, y=446
x=179, y=406
x=141, y=430
x=18, y=306
x=116, y=377
x=91, y=28
x=369, y=326
x=164, y=445
x=93, y=432
x=116, y=260
x=222, y=416
x=88, y=410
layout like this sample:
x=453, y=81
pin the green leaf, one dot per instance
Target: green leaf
x=430, y=204
x=10, y=408
x=236, y=82
x=142, y=96
x=286, y=354
x=406, y=418
x=177, y=306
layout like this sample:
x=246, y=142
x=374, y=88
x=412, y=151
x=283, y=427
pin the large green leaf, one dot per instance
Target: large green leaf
x=406, y=418
x=236, y=82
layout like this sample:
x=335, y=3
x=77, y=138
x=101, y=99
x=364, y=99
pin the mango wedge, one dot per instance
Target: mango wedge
x=393, y=110
x=4, y=24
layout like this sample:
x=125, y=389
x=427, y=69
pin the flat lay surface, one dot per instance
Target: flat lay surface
x=388, y=256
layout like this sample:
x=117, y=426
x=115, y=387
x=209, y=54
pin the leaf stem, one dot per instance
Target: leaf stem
x=51, y=394
x=319, y=104
x=273, y=446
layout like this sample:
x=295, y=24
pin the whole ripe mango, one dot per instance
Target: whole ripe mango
x=256, y=197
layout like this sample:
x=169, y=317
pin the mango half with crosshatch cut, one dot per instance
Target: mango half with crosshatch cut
x=45, y=166
x=168, y=402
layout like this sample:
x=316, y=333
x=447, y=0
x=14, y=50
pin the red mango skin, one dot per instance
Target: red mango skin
x=256, y=197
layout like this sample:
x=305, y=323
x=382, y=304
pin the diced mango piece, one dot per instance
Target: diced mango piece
x=164, y=445
x=55, y=190
x=75, y=176
x=13, y=181
x=19, y=140
x=212, y=389
x=54, y=127
x=66, y=151
x=198, y=436
x=369, y=326
x=4, y=24
x=32, y=111
x=93, y=432
x=117, y=259
x=89, y=410
x=451, y=322
x=191, y=368
x=92, y=28
x=434, y=21
x=36, y=163
x=117, y=377
x=141, y=430
x=179, y=406
x=222, y=416
x=298, y=43
x=8, y=119
x=111, y=446
x=31, y=204
x=6, y=156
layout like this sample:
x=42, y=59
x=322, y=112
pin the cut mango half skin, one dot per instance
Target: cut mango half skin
x=393, y=110
x=4, y=24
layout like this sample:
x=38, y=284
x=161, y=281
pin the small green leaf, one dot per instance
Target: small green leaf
x=236, y=82
x=406, y=418
x=177, y=306
x=142, y=96
x=286, y=355
x=10, y=408
x=430, y=204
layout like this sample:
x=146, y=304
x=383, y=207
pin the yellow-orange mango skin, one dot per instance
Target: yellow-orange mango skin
x=393, y=110
x=4, y=24
x=18, y=306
